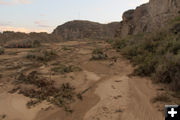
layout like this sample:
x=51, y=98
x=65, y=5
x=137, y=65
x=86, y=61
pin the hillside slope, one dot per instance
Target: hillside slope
x=157, y=54
x=85, y=29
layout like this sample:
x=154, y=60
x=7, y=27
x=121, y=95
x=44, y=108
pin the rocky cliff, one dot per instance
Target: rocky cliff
x=79, y=29
x=148, y=17
x=145, y=18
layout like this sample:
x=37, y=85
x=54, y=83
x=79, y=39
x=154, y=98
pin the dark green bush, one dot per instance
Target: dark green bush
x=147, y=66
x=169, y=71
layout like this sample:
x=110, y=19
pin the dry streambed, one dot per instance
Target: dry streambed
x=101, y=86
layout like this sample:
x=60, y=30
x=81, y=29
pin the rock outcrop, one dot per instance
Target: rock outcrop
x=79, y=29
x=148, y=17
x=145, y=18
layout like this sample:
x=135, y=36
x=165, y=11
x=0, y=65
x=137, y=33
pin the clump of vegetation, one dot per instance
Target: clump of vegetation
x=175, y=20
x=119, y=110
x=1, y=50
x=42, y=55
x=156, y=55
x=45, y=90
x=79, y=96
x=98, y=54
x=32, y=103
x=110, y=41
x=114, y=58
x=66, y=48
x=161, y=98
x=176, y=94
x=24, y=43
x=65, y=69
x=33, y=78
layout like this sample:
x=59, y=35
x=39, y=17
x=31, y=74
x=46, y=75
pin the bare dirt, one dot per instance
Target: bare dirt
x=110, y=92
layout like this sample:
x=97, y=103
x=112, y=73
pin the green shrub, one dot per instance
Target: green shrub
x=42, y=55
x=65, y=69
x=1, y=50
x=147, y=65
x=119, y=44
x=110, y=41
x=169, y=71
x=66, y=48
x=98, y=54
x=97, y=51
x=175, y=20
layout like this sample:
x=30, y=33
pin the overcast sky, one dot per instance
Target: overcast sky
x=45, y=15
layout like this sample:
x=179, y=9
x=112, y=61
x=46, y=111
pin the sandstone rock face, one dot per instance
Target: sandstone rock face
x=128, y=15
x=148, y=17
x=145, y=18
x=85, y=29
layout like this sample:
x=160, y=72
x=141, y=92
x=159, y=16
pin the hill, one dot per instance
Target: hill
x=78, y=29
